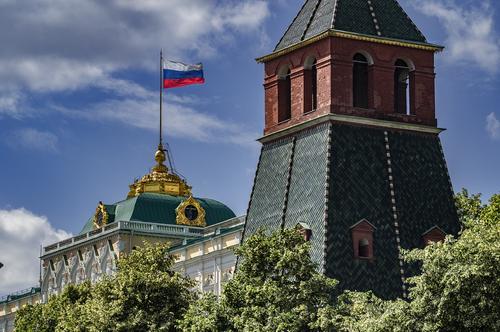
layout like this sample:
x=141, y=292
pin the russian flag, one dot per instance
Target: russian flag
x=177, y=74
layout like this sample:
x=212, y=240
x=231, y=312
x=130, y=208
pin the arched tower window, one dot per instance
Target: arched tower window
x=310, y=85
x=314, y=86
x=402, y=88
x=285, y=96
x=360, y=81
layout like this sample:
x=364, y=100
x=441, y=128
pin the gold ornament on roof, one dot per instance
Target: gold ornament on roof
x=160, y=180
x=101, y=216
x=190, y=213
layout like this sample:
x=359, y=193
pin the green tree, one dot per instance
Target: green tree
x=457, y=290
x=144, y=295
x=459, y=287
x=469, y=207
x=277, y=288
x=59, y=309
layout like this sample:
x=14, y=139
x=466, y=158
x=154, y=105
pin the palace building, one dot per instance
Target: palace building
x=351, y=150
x=159, y=207
x=351, y=156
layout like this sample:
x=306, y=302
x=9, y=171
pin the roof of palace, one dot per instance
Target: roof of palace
x=20, y=294
x=160, y=209
x=379, y=18
x=156, y=197
x=221, y=231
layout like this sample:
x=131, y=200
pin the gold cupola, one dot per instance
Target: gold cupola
x=160, y=180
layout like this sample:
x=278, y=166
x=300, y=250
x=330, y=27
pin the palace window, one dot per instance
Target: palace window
x=80, y=255
x=360, y=81
x=402, y=88
x=66, y=262
x=285, y=96
x=110, y=245
x=362, y=239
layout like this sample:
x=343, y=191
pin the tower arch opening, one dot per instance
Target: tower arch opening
x=403, y=87
x=310, y=85
x=284, y=94
x=360, y=80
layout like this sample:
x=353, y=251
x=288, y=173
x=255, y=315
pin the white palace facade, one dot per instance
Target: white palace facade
x=159, y=207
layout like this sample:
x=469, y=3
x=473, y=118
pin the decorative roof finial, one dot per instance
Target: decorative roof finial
x=160, y=180
x=160, y=159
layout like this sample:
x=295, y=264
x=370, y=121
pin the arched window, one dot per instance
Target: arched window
x=314, y=86
x=310, y=85
x=285, y=97
x=360, y=81
x=402, y=88
x=364, y=248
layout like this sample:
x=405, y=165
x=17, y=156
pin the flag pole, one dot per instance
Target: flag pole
x=161, y=98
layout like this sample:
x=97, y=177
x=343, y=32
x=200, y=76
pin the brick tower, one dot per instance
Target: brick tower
x=351, y=149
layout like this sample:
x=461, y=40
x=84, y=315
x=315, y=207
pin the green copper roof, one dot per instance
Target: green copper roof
x=20, y=294
x=380, y=18
x=160, y=209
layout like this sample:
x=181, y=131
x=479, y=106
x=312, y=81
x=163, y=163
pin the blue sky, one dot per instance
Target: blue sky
x=79, y=101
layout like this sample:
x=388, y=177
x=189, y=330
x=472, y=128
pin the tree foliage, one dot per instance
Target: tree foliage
x=277, y=288
x=457, y=290
x=144, y=295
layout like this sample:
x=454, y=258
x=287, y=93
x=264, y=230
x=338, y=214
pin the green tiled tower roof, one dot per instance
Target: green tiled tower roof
x=379, y=18
x=160, y=209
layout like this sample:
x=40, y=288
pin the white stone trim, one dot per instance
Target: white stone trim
x=395, y=212
x=350, y=119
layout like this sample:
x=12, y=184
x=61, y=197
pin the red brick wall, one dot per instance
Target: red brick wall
x=334, y=64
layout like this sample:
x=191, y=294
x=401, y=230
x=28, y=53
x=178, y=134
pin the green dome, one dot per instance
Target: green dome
x=160, y=209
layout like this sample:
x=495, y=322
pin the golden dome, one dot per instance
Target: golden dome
x=160, y=180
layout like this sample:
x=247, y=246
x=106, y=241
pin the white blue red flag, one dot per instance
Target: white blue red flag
x=177, y=74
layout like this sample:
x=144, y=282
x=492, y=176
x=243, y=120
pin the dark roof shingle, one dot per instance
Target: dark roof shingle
x=383, y=18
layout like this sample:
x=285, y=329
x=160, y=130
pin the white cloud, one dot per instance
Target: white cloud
x=69, y=44
x=21, y=234
x=181, y=120
x=33, y=139
x=493, y=126
x=471, y=35
x=11, y=104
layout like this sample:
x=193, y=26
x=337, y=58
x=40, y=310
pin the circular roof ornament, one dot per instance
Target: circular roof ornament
x=190, y=213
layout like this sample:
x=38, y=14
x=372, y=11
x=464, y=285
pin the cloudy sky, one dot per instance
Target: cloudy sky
x=79, y=104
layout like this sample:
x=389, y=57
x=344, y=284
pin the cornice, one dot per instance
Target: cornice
x=349, y=119
x=350, y=35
